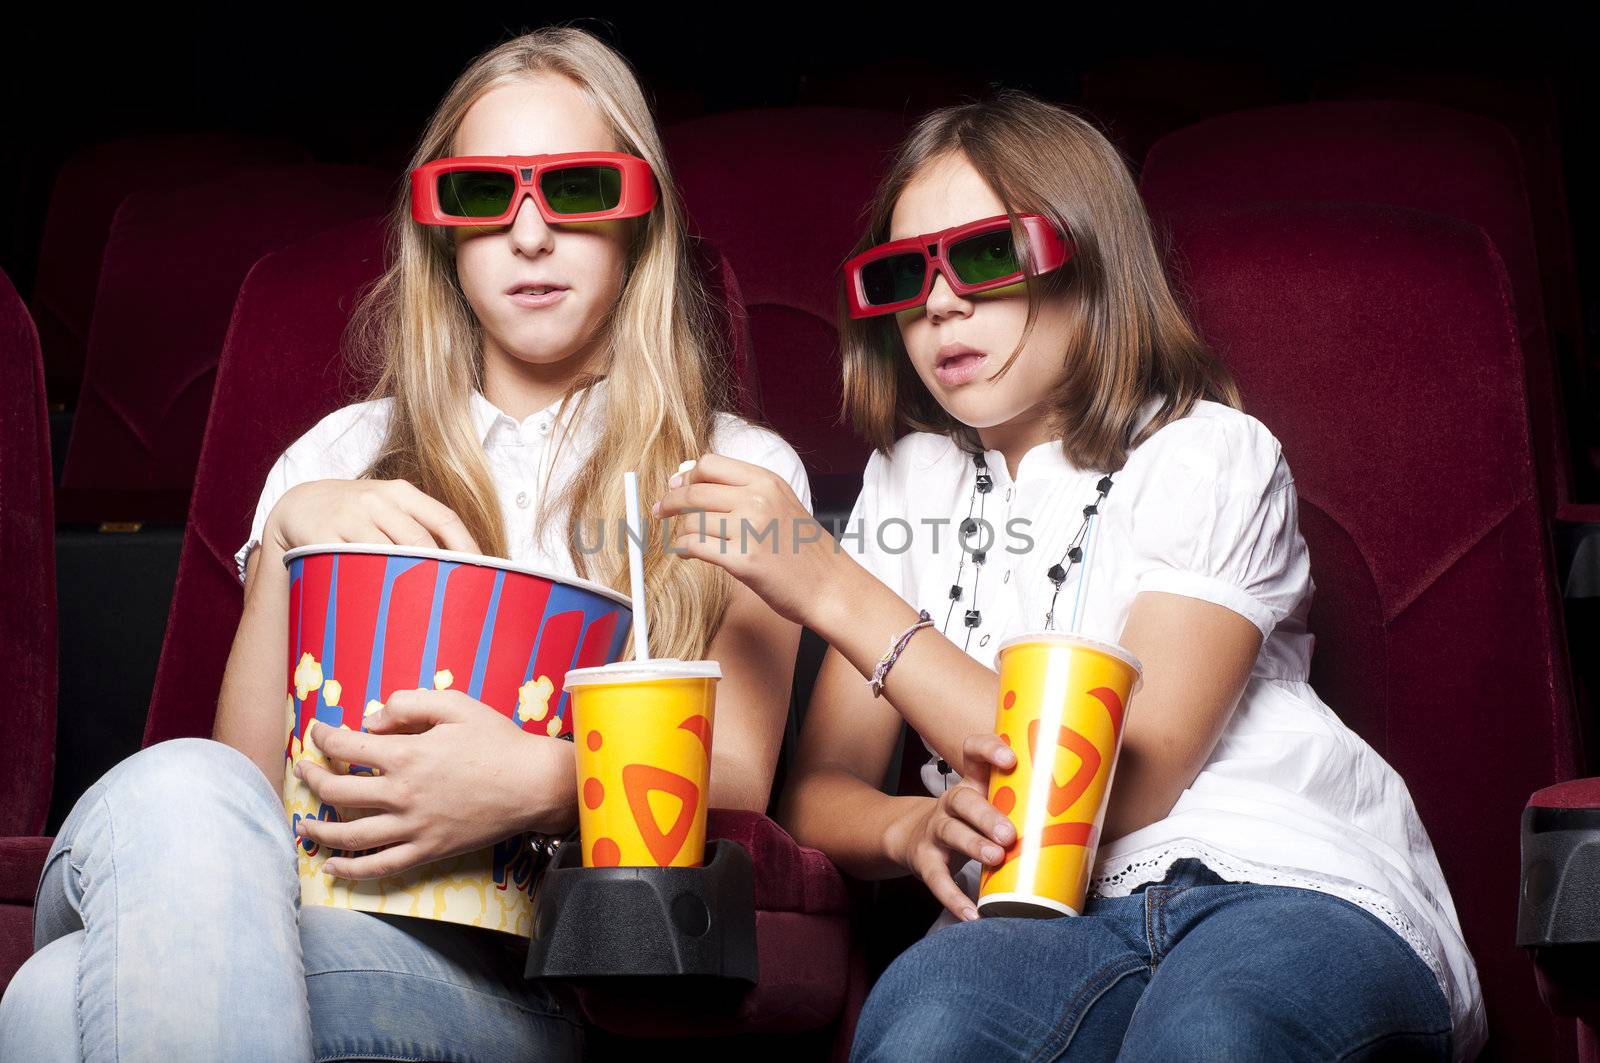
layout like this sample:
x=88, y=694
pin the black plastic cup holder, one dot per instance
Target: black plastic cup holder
x=604, y=924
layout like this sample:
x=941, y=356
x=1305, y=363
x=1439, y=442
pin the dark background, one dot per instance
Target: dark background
x=355, y=85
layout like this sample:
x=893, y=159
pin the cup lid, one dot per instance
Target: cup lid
x=1066, y=637
x=428, y=553
x=641, y=671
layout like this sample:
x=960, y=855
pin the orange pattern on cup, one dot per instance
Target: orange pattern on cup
x=1077, y=690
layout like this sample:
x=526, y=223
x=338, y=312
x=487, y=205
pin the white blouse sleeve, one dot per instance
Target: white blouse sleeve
x=1216, y=517
x=338, y=447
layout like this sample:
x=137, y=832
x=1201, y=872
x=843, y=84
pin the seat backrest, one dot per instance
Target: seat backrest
x=173, y=266
x=1377, y=343
x=27, y=576
x=1378, y=151
x=88, y=187
x=282, y=370
x=781, y=192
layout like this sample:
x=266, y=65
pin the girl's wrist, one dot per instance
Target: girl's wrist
x=898, y=835
x=546, y=801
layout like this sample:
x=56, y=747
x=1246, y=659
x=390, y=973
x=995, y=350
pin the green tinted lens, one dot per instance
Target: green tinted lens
x=475, y=193
x=582, y=189
x=985, y=257
x=893, y=279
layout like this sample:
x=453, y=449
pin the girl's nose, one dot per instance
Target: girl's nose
x=942, y=301
x=529, y=233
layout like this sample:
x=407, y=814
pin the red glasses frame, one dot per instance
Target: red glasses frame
x=1048, y=249
x=638, y=196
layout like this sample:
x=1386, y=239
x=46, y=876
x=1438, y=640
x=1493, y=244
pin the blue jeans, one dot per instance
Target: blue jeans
x=168, y=927
x=1193, y=968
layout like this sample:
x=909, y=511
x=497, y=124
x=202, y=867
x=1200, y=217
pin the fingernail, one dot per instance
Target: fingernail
x=686, y=465
x=298, y=773
x=676, y=481
x=300, y=827
x=992, y=854
x=1003, y=834
x=969, y=914
x=655, y=509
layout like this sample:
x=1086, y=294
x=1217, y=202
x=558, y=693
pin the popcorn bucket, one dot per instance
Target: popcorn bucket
x=366, y=621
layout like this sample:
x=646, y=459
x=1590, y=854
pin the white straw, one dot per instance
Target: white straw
x=1083, y=579
x=641, y=628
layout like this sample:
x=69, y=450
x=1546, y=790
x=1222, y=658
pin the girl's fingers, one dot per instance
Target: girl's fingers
x=401, y=528
x=961, y=838
x=974, y=808
x=717, y=468
x=347, y=791
x=711, y=497
x=932, y=867
x=446, y=528
x=980, y=751
x=370, y=832
x=381, y=864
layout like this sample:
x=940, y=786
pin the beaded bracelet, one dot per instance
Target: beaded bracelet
x=886, y=662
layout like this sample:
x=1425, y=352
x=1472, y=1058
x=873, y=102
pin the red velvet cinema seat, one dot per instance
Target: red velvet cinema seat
x=1375, y=151
x=27, y=627
x=781, y=193
x=88, y=188
x=1379, y=345
x=173, y=265
x=281, y=371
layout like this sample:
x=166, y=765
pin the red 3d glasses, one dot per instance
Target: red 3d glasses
x=975, y=257
x=573, y=186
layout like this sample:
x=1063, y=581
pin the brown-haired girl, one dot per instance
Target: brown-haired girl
x=1263, y=887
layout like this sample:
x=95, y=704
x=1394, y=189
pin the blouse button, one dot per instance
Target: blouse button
x=544, y=426
x=1008, y=494
x=522, y=500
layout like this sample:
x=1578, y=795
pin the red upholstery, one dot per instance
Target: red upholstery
x=780, y=192
x=27, y=628
x=1527, y=107
x=1407, y=154
x=1378, y=344
x=280, y=372
x=27, y=576
x=173, y=265
x=88, y=188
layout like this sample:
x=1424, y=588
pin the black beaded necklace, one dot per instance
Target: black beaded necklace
x=982, y=484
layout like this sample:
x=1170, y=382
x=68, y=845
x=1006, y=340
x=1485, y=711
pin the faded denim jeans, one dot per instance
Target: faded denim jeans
x=1191, y=968
x=168, y=926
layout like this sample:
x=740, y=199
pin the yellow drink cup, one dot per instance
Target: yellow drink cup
x=1062, y=709
x=643, y=736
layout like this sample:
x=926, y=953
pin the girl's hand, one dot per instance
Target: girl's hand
x=752, y=525
x=364, y=511
x=456, y=776
x=960, y=825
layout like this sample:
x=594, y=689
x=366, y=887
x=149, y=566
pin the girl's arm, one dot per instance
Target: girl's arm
x=756, y=649
x=831, y=801
x=250, y=706
x=1197, y=657
x=251, y=712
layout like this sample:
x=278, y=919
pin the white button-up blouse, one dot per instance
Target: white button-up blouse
x=530, y=461
x=1205, y=508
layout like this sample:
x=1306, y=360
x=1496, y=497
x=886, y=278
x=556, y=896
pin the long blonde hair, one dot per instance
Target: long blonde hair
x=667, y=371
x=1134, y=342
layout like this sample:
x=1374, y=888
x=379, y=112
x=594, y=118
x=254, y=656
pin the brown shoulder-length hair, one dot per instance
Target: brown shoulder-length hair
x=1132, y=342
